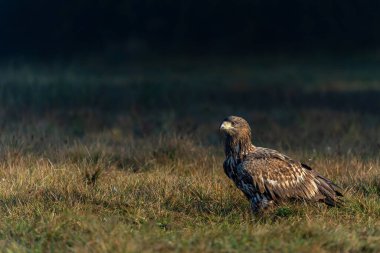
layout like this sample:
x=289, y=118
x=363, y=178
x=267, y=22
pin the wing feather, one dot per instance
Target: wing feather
x=279, y=176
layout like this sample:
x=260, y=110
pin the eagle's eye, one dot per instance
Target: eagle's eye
x=234, y=123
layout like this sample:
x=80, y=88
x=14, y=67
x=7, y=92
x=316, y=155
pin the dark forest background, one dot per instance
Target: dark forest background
x=172, y=26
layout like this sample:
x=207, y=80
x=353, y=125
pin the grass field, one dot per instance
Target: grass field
x=101, y=156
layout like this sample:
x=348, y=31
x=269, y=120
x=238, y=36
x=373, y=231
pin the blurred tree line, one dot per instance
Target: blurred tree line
x=69, y=26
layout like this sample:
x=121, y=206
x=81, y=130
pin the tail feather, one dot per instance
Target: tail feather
x=331, y=192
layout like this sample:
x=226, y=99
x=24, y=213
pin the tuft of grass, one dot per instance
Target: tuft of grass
x=284, y=212
x=92, y=177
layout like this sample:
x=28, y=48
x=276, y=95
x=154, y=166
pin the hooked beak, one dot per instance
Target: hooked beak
x=225, y=126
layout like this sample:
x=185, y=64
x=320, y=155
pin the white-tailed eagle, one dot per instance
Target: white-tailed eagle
x=266, y=176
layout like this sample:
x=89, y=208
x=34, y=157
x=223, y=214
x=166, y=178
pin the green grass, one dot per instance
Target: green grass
x=127, y=158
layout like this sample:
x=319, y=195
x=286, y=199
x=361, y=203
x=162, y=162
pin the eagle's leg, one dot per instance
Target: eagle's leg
x=259, y=203
x=255, y=207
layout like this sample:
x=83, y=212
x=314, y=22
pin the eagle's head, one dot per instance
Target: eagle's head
x=236, y=127
x=238, y=136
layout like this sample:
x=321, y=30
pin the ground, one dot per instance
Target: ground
x=102, y=155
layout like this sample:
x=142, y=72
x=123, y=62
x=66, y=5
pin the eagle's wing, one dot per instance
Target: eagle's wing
x=280, y=177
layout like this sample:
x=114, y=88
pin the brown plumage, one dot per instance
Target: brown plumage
x=266, y=176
